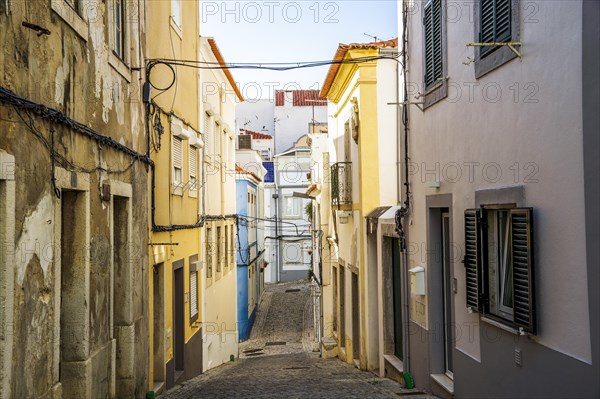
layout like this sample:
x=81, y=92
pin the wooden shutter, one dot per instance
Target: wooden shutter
x=521, y=220
x=472, y=259
x=193, y=294
x=495, y=23
x=432, y=21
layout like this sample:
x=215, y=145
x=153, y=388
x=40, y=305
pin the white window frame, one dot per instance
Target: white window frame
x=499, y=263
x=285, y=207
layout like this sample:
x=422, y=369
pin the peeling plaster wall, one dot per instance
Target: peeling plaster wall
x=72, y=70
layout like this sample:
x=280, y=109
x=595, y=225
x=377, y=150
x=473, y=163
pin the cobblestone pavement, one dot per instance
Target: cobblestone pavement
x=278, y=360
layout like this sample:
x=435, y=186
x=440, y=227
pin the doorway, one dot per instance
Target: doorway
x=342, y=307
x=355, y=319
x=121, y=289
x=158, y=317
x=447, y=298
x=73, y=291
x=178, y=319
x=397, y=300
x=441, y=284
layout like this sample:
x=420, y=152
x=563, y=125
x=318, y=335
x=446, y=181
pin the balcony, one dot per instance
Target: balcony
x=341, y=185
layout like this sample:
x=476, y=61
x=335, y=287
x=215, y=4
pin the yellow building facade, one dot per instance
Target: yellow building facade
x=175, y=248
x=356, y=184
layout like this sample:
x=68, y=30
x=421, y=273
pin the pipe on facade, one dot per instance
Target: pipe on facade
x=406, y=208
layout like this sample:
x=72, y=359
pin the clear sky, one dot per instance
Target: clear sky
x=291, y=31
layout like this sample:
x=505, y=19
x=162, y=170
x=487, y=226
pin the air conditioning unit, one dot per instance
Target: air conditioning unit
x=244, y=142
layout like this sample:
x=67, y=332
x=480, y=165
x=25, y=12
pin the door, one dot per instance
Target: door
x=447, y=298
x=355, y=318
x=397, y=288
x=342, y=307
x=178, y=320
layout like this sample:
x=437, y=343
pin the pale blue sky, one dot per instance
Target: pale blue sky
x=291, y=31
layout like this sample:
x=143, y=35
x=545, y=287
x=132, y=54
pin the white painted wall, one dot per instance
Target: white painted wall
x=539, y=129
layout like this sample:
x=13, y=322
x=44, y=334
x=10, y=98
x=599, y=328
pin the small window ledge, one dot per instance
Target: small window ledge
x=193, y=193
x=121, y=67
x=494, y=60
x=501, y=326
x=70, y=16
x=177, y=190
x=444, y=381
x=435, y=94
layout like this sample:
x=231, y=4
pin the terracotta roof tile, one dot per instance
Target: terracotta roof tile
x=301, y=98
x=221, y=60
x=340, y=54
x=255, y=135
x=239, y=170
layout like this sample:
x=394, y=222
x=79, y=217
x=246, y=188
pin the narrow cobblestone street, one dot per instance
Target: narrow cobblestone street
x=280, y=360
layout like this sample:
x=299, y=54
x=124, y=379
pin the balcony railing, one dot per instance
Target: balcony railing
x=341, y=183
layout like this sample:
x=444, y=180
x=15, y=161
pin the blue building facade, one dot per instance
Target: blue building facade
x=249, y=255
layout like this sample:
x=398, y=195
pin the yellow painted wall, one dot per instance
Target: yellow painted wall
x=166, y=40
x=357, y=81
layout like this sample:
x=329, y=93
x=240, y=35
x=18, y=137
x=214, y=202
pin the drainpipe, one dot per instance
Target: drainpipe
x=406, y=208
x=398, y=137
x=276, y=198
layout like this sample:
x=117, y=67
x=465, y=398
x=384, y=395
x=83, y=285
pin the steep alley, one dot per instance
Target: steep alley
x=278, y=360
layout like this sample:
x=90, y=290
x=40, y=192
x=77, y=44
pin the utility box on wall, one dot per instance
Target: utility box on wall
x=417, y=280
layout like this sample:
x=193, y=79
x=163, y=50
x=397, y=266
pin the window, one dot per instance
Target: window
x=499, y=265
x=232, y=254
x=226, y=246
x=177, y=162
x=292, y=207
x=496, y=21
x=217, y=136
x=209, y=253
x=433, y=28
x=76, y=5
x=176, y=12
x=73, y=14
x=119, y=27
x=193, y=161
x=218, y=244
x=494, y=26
x=193, y=288
x=207, y=133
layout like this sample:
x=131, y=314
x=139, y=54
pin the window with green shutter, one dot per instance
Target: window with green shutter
x=499, y=265
x=495, y=24
x=433, y=31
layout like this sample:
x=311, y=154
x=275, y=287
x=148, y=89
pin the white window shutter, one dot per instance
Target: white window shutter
x=193, y=161
x=177, y=159
x=193, y=293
